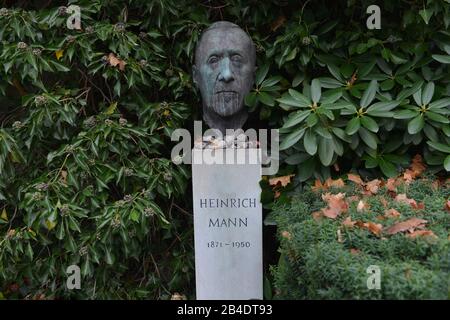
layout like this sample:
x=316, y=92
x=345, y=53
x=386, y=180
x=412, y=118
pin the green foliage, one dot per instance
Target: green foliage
x=86, y=117
x=322, y=259
x=350, y=94
x=85, y=170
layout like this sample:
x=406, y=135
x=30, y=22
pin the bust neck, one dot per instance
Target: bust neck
x=215, y=121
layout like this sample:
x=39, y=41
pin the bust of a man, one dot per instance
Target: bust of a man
x=224, y=72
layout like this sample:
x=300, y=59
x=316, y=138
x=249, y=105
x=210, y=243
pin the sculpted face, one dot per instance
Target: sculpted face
x=224, y=72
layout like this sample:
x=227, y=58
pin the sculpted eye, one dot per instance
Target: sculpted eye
x=213, y=59
x=236, y=58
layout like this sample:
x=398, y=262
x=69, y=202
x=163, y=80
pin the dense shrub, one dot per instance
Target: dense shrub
x=86, y=117
x=85, y=170
x=325, y=258
x=356, y=97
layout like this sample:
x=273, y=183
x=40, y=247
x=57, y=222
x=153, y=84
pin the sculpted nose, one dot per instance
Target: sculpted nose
x=225, y=72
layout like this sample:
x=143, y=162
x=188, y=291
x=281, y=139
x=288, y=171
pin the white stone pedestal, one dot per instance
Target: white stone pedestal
x=227, y=224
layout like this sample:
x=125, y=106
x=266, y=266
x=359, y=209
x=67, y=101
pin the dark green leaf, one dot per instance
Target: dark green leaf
x=369, y=94
x=291, y=139
x=368, y=137
x=416, y=124
x=310, y=142
x=353, y=126
x=315, y=90
x=326, y=151
x=369, y=123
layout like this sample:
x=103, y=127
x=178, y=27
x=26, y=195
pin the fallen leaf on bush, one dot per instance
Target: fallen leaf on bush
x=284, y=181
x=391, y=213
x=177, y=296
x=435, y=185
x=375, y=228
x=338, y=183
x=286, y=234
x=336, y=204
x=416, y=168
x=421, y=233
x=352, y=199
x=384, y=202
x=373, y=186
x=447, y=205
x=392, y=184
x=64, y=176
x=348, y=222
x=278, y=23
x=408, y=176
x=402, y=198
x=355, y=178
x=318, y=186
x=354, y=251
x=418, y=206
x=317, y=215
x=339, y=236
x=114, y=61
x=409, y=224
x=362, y=206
x=417, y=165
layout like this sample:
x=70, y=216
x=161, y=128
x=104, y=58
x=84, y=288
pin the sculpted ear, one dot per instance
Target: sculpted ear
x=195, y=75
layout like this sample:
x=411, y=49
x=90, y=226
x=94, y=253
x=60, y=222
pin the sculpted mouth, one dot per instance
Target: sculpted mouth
x=225, y=91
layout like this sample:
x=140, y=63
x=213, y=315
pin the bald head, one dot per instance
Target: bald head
x=224, y=72
x=210, y=38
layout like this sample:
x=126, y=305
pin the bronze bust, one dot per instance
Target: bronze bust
x=224, y=71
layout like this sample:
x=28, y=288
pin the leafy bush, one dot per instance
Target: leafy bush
x=327, y=258
x=354, y=96
x=86, y=117
x=85, y=170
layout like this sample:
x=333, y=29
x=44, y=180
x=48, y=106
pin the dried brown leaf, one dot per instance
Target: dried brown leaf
x=391, y=213
x=362, y=206
x=409, y=224
x=318, y=186
x=348, y=223
x=336, y=205
x=286, y=234
x=373, y=186
x=317, y=215
x=284, y=180
x=375, y=228
x=355, y=178
x=421, y=233
x=114, y=61
x=402, y=198
x=277, y=23
x=338, y=183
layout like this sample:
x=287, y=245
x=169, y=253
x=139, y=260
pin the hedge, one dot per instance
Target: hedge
x=328, y=258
